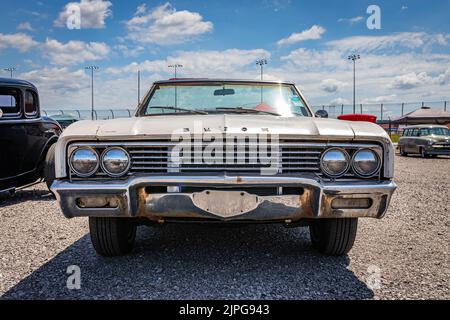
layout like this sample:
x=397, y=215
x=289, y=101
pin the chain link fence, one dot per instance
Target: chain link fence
x=383, y=111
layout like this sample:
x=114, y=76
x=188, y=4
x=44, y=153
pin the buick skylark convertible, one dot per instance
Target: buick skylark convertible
x=224, y=151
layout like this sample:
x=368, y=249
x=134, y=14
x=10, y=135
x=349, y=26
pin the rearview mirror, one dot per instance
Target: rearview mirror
x=224, y=92
x=321, y=114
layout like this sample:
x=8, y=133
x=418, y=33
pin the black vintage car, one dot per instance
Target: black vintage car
x=25, y=136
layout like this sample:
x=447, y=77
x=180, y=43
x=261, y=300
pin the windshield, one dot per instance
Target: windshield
x=210, y=98
x=434, y=131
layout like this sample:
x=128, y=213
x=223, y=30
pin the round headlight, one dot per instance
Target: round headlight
x=366, y=162
x=84, y=162
x=115, y=162
x=335, y=162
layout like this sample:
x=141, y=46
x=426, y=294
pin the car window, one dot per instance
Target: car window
x=406, y=133
x=30, y=103
x=424, y=132
x=9, y=102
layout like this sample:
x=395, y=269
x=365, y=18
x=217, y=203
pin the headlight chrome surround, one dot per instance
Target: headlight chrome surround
x=335, y=174
x=126, y=157
x=78, y=172
x=368, y=174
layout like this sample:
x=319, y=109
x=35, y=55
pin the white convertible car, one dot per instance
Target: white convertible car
x=224, y=151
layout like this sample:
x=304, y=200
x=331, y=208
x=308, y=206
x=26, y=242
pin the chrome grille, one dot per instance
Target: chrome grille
x=289, y=158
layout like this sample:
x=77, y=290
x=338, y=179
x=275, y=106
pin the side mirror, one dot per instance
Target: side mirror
x=321, y=114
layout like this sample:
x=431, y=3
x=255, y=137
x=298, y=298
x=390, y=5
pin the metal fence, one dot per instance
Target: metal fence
x=383, y=111
x=86, y=114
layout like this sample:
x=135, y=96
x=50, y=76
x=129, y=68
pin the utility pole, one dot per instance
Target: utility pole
x=175, y=67
x=11, y=71
x=92, y=68
x=354, y=57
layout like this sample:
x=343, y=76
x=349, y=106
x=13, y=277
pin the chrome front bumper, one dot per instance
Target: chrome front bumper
x=132, y=199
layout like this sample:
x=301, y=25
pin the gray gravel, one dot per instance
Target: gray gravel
x=409, y=249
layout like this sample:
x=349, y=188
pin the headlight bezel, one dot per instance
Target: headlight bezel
x=372, y=174
x=111, y=174
x=80, y=174
x=347, y=158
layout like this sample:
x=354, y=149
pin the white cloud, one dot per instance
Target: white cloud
x=74, y=52
x=18, y=41
x=443, y=78
x=339, y=101
x=164, y=25
x=380, y=99
x=60, y=87
x=305, y=59
x=332, y=85
x=404, y=7
x=352, y=21
x=128, y=52
x=408, y=40
x=410, y=81
x=215, y=64
x=25, y=26
x=313, y=33
x=93, y=13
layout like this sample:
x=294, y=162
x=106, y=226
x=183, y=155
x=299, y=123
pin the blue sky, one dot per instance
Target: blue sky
x=408, y=59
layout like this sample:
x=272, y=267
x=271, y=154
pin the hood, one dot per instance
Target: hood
x=164, y=126
x=439, y=138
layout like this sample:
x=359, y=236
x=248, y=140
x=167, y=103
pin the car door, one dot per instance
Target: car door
x=407, y=142
x=403, y=140
x=12, y=134
x=412, y=141
x=36, y=132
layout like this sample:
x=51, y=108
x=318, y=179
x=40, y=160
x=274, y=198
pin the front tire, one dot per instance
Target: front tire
x=333, y=237
x=49, y=167
x=112, y=237
x=403, y=153
x=423, y=153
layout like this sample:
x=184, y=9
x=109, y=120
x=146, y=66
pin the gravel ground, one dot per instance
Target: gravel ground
x=408, y=252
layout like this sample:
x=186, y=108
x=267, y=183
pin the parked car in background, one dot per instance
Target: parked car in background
x=25, y=137
x=426, y=140
x=64, y=120
x=224, y=151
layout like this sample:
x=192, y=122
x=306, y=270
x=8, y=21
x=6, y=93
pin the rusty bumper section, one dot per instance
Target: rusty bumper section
x=131, y=198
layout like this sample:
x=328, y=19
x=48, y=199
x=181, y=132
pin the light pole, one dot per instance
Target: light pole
x=354, y=57
x=175, y=67
x=92, y=68
x=261, y=63
x=139, y=86
x=10, y=70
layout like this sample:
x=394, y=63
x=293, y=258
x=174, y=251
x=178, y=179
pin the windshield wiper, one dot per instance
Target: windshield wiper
x=246, y=110
x=179, y=109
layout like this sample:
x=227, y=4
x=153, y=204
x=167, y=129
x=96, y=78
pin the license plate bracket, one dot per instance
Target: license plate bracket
x=226, y=204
